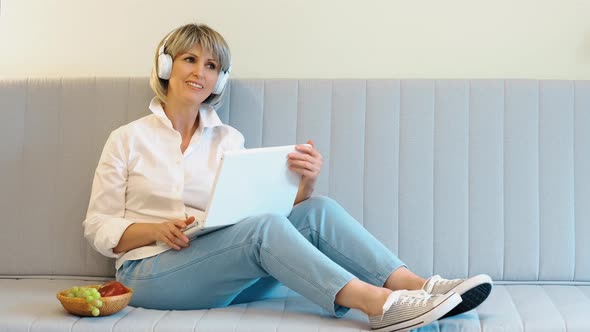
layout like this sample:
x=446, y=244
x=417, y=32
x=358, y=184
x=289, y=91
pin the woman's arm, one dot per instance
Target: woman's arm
x=105, y=219
x=142, y=234
x=303, y=193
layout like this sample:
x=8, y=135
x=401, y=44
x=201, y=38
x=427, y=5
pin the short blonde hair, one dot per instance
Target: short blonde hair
x=180, y=41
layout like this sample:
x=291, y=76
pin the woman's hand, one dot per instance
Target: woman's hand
x=170, y=232
x=308, y=163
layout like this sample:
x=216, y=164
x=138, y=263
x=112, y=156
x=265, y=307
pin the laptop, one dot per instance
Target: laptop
x=248, y=182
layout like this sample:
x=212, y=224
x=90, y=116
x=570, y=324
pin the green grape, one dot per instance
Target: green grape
x=90, y=295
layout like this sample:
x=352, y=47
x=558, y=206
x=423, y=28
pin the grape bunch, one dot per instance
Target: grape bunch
x=90, y=294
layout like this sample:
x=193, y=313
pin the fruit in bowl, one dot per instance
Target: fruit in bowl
x=96, y=300
x=112, y=288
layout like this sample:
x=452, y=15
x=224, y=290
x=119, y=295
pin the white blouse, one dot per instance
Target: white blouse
x=143, y=176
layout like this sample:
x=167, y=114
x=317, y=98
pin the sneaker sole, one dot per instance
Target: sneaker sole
x=473, y=294
x=436, y=313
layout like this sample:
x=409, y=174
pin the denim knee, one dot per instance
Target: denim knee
x=316, y=213
x=321, y=203
x=270, y=223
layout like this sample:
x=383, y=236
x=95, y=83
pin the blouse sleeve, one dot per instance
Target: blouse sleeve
x=105, y=223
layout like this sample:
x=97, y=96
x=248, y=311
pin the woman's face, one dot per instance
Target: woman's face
x=194, y=75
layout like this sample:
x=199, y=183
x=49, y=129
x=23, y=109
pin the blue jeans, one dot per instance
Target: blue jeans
x=315, y=251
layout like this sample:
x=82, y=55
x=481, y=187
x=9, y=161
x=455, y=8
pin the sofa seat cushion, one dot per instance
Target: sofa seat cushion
x=31, y=305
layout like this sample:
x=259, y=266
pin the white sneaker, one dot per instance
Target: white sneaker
x=473, y=291
x=405, y=310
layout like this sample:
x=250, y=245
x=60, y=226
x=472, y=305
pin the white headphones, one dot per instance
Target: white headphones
x=165, y=68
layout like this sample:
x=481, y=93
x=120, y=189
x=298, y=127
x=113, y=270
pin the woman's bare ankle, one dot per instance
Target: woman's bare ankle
x=375, y=305
x=360, y=295
x=403, y=278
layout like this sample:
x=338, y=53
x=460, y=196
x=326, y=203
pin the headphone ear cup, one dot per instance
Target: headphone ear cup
x=164, y=66
x=221, y=81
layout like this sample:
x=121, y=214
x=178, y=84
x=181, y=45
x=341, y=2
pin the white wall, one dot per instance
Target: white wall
x=543, y=39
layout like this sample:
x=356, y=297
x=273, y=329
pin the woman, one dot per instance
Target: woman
x=155, y=174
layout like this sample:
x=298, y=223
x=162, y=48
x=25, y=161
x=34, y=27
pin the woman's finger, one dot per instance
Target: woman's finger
x=179, y=240
x=169, y=241
x=306, y=158
x=189, y=220
x=306, y=150
x=300, y=156
x=303, y=165
x=305, y=172
x=179, y=224
x=179, y=235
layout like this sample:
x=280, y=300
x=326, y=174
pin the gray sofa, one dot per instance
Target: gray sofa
x=459, y=177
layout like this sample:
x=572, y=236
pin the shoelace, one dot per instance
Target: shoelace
x=436, y=280
x=415, y=297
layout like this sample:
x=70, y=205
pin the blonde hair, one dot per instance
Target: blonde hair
x=183, y=39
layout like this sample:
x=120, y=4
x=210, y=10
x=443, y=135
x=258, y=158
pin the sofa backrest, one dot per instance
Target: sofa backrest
x=458, y=177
